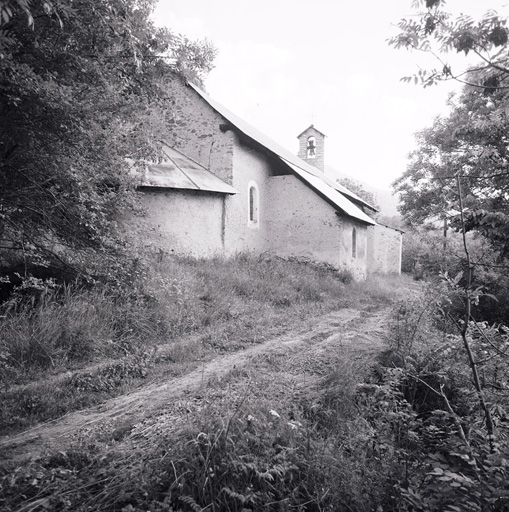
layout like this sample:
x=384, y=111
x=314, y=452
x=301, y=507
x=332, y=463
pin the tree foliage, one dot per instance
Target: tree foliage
x=435, y=31
x=85, y=97
x=357, y=188
x=471, y=141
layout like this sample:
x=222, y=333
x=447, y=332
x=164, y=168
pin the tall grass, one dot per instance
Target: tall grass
x=70, y=326
x=187, y=308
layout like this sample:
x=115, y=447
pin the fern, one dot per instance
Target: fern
x=188, y=500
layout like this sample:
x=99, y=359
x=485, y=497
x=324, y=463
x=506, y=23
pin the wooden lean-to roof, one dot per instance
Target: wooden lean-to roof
x=338, y=195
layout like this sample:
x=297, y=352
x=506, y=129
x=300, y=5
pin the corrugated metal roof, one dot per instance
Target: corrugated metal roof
x=288, y=157
x=179, y=171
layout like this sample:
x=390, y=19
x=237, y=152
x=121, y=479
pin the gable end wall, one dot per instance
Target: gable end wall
x=199, y=132
x=302, y=224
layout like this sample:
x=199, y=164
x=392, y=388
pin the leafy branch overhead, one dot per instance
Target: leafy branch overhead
x=435, y=31
x=85, y=87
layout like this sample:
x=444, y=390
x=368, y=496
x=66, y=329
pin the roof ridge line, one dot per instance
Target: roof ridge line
x=275, y=148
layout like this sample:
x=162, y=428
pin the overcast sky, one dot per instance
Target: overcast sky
x=285, y=64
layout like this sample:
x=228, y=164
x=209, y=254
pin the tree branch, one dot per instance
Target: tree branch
x=464, y=328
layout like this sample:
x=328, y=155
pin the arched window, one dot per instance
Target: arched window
x=311, y=147
x=253, y=209
x=354, y=243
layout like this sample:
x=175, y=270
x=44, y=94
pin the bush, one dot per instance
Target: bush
x=453, y=464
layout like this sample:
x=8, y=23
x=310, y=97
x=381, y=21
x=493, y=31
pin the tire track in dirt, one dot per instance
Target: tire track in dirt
x=358, y=330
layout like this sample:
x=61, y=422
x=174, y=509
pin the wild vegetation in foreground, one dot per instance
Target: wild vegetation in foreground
x=68, y=347
x=277, y=435
x=345, y=431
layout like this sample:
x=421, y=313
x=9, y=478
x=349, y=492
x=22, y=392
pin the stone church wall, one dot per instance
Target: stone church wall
x=200, y=132
x=179, y=222
x=357, y=264
x=303, y=225
x=251, y=169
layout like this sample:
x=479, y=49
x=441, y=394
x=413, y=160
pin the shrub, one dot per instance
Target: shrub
x=453, y=464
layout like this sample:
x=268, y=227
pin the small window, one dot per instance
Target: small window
x=252, y=199
x=311, y=147
x=253, y=205
x=354, y=243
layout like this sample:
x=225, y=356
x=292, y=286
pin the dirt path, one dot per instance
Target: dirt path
x=358, y=330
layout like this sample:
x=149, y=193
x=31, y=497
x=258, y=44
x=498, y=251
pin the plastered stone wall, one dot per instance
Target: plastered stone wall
x=319, y=160
x=356, y=264
x=200, y=132
x=251, y=168
x=204, y=224
x=180, y=222
x=302, y=224
x=384, y=250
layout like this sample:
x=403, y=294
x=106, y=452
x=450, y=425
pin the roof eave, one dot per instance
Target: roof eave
x=356, y=219
x=147, y=186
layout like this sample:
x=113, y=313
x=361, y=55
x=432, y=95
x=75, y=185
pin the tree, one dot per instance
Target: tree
x=471, y=142
x=358, y=189
x=85, y=98
x=437, y=32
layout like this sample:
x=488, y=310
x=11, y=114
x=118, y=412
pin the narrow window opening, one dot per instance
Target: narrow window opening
x=252, y=193
x=354, y=243
x=253, y=205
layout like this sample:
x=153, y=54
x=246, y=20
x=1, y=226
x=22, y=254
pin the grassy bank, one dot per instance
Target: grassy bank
x=67, y=348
